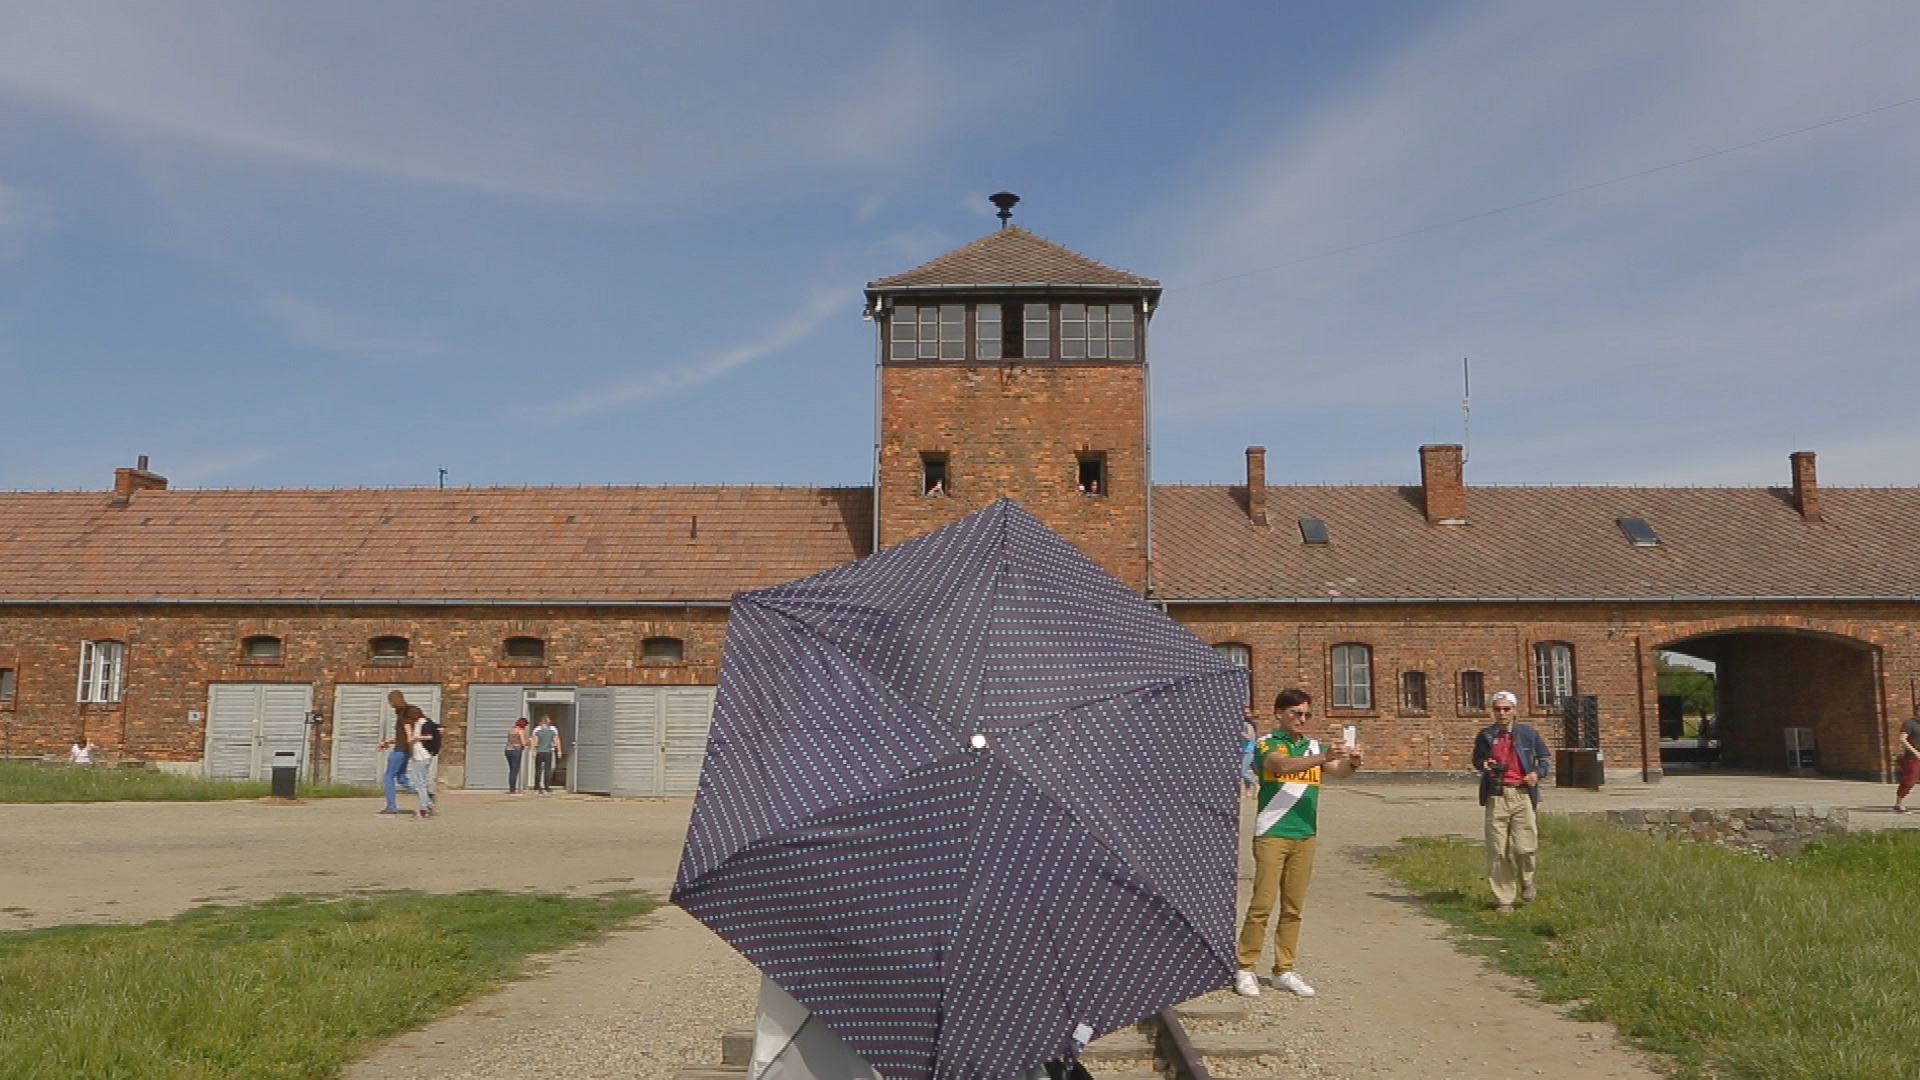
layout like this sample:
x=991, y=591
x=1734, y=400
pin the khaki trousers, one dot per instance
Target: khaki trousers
x=1282, y=868
x=1513, y=838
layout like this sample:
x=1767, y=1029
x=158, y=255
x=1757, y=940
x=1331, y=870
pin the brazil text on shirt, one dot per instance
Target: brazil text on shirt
x=1289, y=805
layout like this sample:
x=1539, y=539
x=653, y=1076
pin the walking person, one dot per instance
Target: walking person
x=429, y=732
x=547, y=749
x=412, y=728
x=398, y=757
x=1909, y=763
x=1284, y=829
x=517, y=739
x=1511, y=759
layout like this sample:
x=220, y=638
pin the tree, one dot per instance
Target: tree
x=1693, y=686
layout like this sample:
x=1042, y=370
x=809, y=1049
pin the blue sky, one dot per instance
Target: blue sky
x=305, y=245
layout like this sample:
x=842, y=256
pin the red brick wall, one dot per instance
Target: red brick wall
x=1018, y=430
x=173, y=654
x=1828, y=666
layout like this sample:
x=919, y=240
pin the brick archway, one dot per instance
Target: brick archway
x=1778, y=672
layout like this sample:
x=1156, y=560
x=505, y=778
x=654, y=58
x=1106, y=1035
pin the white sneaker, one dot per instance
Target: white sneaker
x=1246, y=983
x=1291, y=980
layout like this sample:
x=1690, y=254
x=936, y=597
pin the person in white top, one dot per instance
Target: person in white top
x=82, y=752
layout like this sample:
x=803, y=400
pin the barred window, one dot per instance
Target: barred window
x=663, y=648
x=102, y=668
x=1552, y=673
x=526, y=648
x=262, y=647
x=1352, y=677
x=389, y=647
x=1473, y=691
x=1413, y=691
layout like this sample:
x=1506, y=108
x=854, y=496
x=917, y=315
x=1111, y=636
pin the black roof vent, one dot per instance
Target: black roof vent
x=1006, y=201
x=1639, y=532
x=1313, y=531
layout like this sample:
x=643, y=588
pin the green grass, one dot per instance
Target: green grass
x=292, y=988
x=1788, y=969
x=26, y=783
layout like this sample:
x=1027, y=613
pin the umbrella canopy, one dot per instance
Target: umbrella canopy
x=970, y=800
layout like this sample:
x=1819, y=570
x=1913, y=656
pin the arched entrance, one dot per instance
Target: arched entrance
x=1771, y=678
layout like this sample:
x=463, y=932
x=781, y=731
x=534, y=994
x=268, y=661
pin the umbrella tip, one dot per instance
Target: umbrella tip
x=979, y=742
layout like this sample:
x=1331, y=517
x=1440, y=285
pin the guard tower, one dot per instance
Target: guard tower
x=1013, y=366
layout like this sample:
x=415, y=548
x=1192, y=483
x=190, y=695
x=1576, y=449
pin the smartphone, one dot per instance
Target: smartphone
x=1350, y=735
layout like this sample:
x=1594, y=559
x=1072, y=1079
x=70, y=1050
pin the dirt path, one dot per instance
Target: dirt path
x=1396, y=1000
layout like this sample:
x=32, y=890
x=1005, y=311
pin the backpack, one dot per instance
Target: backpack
x=430, y=734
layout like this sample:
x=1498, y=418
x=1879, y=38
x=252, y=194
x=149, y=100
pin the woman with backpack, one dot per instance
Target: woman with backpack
x=516, y=752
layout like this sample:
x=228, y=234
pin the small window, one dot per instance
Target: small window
x=262, y=647
x=1473, y=691
x=526, y=648
x=933, y=472
x=1240, y=656
x=1352, y=677
x=1093, y=474
x=102, y=669
x=1552, y=673
x=6, y=684
x=663, y=648
x=1638, y=531
x=1096, y=331
x=1413, y=692
x=1038, y=333
x=1313, y=531
x=986, y=333
x=389, y=647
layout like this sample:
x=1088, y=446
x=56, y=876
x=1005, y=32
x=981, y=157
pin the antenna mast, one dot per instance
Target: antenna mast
x=1466, y=411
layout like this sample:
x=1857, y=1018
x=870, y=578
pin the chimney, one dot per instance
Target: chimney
x=1443, y=481
x=1806, y=489
x=1257, y=484
x=128, y=481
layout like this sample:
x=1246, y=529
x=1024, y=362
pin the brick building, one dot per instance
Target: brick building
x=213, y=630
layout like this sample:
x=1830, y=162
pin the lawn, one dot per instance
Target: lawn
x=1735, y=966
x=292, y=988
x=21, y=782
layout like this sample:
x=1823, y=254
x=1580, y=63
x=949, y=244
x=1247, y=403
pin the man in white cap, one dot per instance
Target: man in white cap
x=1511, y=759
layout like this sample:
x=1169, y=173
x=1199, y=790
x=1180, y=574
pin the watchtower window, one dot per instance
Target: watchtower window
x=1093, y=474
x=986, y=333
x=930, y=333
x=1096, y=331
x=1038, y=320
x=933, y=472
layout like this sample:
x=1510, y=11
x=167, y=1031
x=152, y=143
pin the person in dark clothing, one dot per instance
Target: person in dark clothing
x=1511, y=759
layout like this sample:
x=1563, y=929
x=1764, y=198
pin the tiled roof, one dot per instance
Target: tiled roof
x=1012, y=256
x=1536, y=542
x=425, y=544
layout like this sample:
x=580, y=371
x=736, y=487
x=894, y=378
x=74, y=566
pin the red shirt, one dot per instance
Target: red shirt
x=1509, y=759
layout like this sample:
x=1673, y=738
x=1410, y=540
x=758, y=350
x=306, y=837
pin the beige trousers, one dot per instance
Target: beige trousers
x=1282, y=869
x=1513, y=838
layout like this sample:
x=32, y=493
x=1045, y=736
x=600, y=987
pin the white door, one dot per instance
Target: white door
x=250, y=724
x=689, y=712
x=491, y=711
x=636, y=740
x=592, y=751
x=362, y=717
x=660, y=738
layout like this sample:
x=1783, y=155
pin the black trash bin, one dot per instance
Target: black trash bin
x=286, y=766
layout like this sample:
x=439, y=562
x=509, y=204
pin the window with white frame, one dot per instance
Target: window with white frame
x=1096, y=331
x=1240, y=656
x=930, y=333
x=1552, y=673
x=1352, y=677
x=102, y=669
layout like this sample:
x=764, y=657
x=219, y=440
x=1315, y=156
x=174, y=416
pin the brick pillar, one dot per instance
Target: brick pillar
x=1443, y=482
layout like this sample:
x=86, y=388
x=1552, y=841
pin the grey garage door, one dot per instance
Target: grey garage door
x=659, y=738
x=249, y=723
x=361, y=718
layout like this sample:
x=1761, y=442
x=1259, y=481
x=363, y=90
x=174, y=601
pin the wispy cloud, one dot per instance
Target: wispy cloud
x=202, y=469
x=661, y=104
x=666, y=382
x=1695, y=303
x=313, y=325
